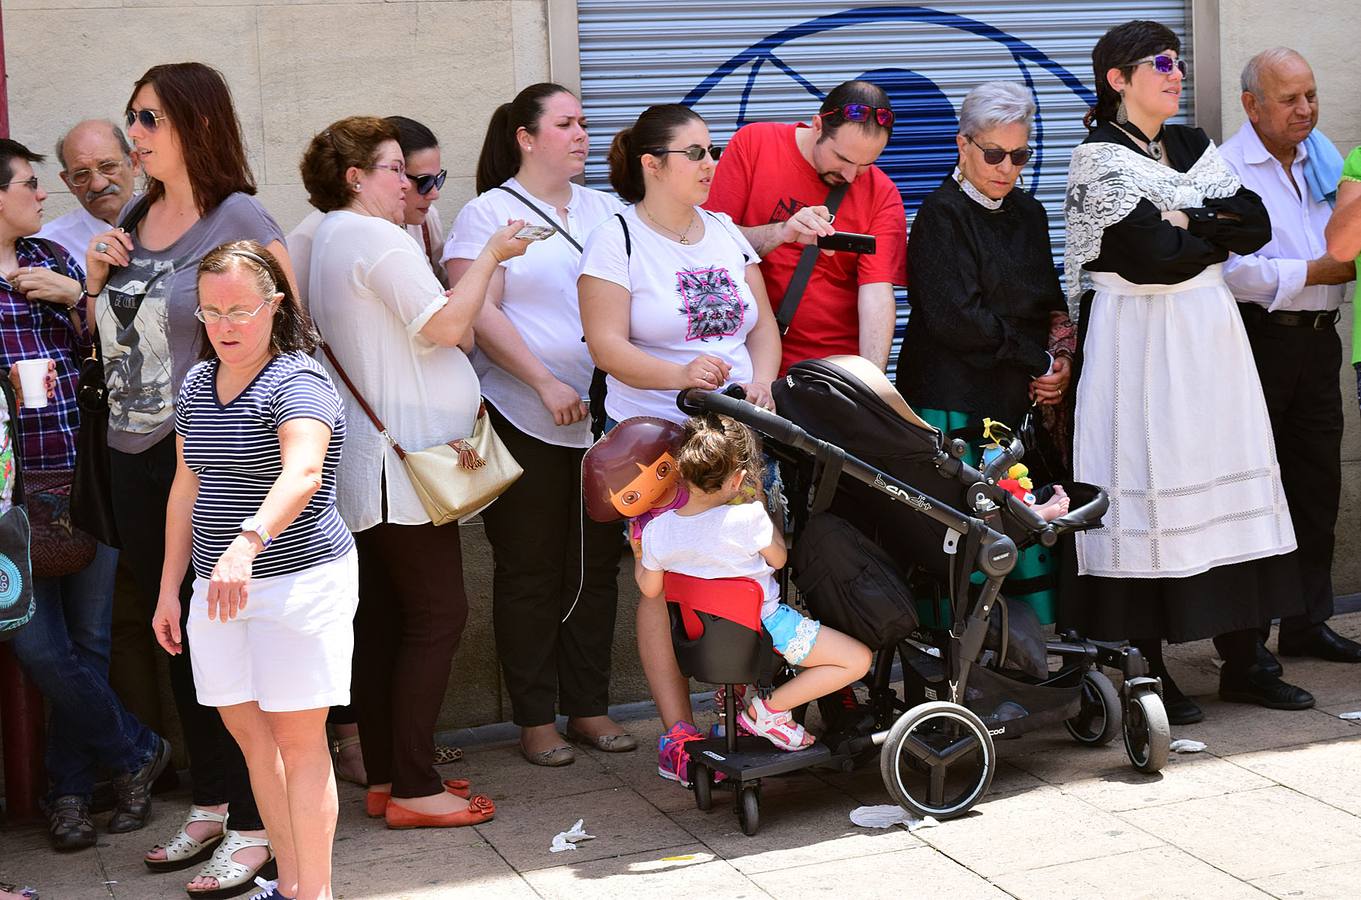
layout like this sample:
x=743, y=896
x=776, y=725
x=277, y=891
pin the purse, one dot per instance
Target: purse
x=57, y=547
x=454, y=480
x=92, y=485
x=17, y=601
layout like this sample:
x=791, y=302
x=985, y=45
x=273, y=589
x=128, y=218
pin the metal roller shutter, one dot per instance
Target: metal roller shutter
x=740, y=61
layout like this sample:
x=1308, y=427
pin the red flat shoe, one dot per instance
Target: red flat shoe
x=480, y=809
x=375, y=802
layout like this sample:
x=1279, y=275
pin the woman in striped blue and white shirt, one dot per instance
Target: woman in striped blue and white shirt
x=253, y=506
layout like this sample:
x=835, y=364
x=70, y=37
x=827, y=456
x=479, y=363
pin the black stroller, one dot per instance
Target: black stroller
x=851, y=448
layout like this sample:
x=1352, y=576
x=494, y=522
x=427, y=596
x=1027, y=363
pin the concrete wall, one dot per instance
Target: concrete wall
x=296, y=65
x=1328, y=33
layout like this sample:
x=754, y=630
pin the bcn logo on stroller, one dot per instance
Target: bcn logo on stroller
x=913, y=500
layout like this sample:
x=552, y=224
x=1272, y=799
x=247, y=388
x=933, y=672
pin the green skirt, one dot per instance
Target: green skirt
x=1032, y=581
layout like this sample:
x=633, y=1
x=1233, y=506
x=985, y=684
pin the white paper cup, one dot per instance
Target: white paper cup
x=33, y=381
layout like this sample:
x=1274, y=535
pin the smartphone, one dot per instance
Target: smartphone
x=848, y=242
x=534, y=233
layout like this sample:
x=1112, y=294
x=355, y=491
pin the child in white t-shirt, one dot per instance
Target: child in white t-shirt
x=711, y=537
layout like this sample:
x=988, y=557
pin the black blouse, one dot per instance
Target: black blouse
x=1144, y=249
x=982, y=286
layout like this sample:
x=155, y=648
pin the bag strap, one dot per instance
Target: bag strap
x=136, y=214
x=548, y=220
x=628, y=240
x=596, y=395
x=746, y=257
x=16, y=439
x=798, y=282
x=363, y=404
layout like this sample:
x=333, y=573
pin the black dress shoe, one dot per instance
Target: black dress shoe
x=133, y=791
x=69, y=825
x=1321, y=642
x=1262, y=688
x=1266, y=661
x=1182, y=710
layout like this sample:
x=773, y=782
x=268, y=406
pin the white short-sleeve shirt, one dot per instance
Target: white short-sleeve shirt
x=723, y=542
x=371, y=291
x=687, y=300
x=540, y=300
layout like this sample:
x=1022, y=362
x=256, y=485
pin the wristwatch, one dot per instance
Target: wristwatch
x=256, y=527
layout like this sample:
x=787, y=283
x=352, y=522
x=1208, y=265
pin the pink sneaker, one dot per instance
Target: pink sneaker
x=673, y=763
x=777, y=727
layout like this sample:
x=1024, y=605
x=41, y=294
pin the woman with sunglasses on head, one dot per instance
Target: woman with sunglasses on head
x=253, y=508
x=672, y=298
x=200, y=194
x=985, y=295
x=555, y=581
x=1170, y=414
x=395, y=338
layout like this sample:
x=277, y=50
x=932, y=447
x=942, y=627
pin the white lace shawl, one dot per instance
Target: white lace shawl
x=1106, y=181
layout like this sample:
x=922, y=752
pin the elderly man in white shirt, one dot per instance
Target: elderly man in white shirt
x=1289, y=292
x=98, y=167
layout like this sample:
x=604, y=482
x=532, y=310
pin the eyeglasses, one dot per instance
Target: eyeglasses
x=398, y=167
x=694, y=152
x=148, y=118
x=31, y=182
x=235, y=316
x=424, y=184
x=993, y=156
x=861, y=112
x=81, y=177
x=1163, y=64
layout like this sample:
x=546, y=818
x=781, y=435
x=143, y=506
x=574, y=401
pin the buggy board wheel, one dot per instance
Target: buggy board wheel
x=938, y=760
x=1147, y=734
x=704, y=788
x=749, y=813
x=1098, y=718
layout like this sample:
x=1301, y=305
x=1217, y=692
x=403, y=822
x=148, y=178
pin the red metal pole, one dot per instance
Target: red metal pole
x=21, y=706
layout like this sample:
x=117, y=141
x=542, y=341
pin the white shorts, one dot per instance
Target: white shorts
x=288, y=650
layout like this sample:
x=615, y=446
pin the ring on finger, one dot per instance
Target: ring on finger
x=101, y=247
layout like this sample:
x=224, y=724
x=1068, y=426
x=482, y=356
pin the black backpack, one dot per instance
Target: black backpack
x=851, y=584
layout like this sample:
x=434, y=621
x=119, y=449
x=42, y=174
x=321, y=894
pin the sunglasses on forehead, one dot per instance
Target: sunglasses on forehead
x=424, y=184
x=993, y=156
x=861, y=112
x=694, y=152
x=1163, y=64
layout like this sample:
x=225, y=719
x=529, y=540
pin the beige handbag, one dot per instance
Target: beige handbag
x=454, y=480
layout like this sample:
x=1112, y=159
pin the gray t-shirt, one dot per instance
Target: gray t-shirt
x=147, y=330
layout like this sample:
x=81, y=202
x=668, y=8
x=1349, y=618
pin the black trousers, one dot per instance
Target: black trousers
x=412, y=609
x=141, y=489
x=552, y=563
x=1300, y=369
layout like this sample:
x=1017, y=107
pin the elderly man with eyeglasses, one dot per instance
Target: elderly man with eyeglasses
x=98, y=167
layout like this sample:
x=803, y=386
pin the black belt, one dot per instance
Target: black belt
x=1316, y=320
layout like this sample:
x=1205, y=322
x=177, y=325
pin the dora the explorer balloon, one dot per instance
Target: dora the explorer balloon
x=631, y=473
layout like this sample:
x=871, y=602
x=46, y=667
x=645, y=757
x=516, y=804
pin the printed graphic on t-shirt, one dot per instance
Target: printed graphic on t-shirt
x=137, y=358
x=710, y=302
x=785, y=209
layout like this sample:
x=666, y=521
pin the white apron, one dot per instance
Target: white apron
x=1171, y=421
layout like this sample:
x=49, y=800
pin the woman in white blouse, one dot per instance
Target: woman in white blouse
x=555, y=583
x=397, y=334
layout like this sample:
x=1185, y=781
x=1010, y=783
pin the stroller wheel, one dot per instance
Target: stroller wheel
x=1098, y=719
x=938, y=760
x=749, y=811
x=1147, y=734
x=704, y=788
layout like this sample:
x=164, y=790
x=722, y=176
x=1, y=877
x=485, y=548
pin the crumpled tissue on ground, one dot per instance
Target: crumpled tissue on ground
x=887, y=815
x=567, y=840
x=1185, y=745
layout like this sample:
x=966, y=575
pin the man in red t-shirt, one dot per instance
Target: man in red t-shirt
x=773, y=180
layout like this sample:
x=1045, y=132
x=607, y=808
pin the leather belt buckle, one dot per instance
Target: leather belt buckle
x=1326, y=319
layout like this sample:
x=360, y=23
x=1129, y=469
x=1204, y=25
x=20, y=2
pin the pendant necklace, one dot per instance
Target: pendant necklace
x=1155, y=144
x=682, y=236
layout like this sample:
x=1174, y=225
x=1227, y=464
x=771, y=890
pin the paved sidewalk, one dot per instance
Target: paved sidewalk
x=1272, y=807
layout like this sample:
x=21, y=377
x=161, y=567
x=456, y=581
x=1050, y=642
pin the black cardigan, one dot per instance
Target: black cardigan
x=982, y=286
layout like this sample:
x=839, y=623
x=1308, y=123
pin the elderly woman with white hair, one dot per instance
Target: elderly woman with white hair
x=989, y=334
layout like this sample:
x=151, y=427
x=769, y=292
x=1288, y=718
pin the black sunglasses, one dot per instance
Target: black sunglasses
x=424, y=184
x=694, y=152
x=861, y=112
x=148, y=118
x=993, y=156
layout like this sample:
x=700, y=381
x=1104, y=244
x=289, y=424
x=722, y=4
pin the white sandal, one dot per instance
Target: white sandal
x=233, y=877
x=182, y=851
